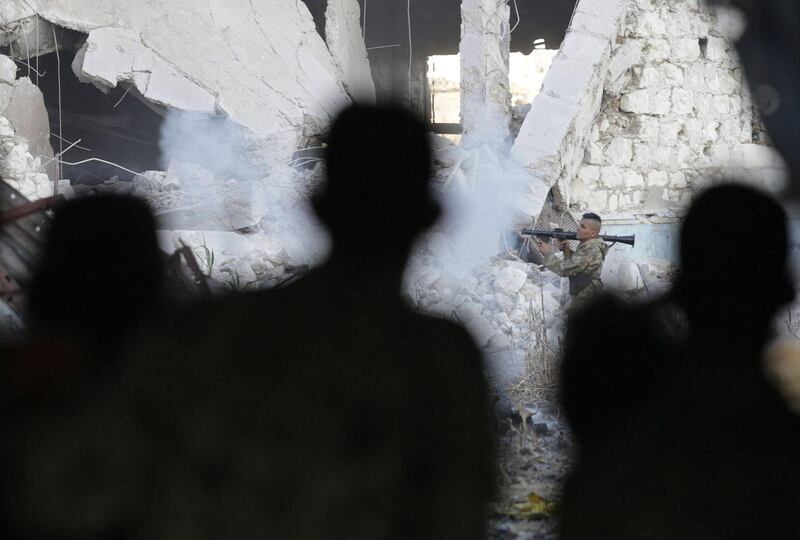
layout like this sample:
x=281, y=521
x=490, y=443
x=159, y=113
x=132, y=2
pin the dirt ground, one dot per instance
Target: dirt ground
x=533, y=461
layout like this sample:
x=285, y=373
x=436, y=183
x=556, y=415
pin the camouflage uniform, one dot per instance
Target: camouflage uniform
x=583, y=268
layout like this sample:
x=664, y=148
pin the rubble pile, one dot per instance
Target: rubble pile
x=507, y=304
x=245, y=233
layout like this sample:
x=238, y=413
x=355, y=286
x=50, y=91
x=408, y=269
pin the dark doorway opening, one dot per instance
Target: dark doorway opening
x=115, y=126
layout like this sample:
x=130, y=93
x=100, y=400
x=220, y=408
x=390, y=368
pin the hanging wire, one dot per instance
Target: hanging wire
x=410, y=50
x=72, y=164
x=516, y=10
x=364, y=24
x=60, y=126
x=123, y=96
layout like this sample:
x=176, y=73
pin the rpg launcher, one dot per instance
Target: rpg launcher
x=572, y=235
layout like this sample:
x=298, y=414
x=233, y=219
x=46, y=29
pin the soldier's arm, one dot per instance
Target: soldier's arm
x=583, y=260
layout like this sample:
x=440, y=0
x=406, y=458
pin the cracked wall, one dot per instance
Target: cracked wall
x=676, y=116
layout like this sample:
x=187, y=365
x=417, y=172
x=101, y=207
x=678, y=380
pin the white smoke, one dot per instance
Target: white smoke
x=484, y=196
x=221, y=182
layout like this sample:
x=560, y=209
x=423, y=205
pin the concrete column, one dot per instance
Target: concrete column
x=485, y=88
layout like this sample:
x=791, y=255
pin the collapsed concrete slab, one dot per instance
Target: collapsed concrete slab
x=263, y=65
x=114, y=55
x=553, y=136
x=345, y=41
x=485, y=87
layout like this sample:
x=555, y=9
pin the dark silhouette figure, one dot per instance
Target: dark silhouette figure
x=323, y=409
x=99, y=277
x=67, y=453
x=691, y=441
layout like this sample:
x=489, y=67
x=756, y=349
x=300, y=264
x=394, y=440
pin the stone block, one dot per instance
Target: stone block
x=579, y=193
x=597, y=201
x=695, y=77
x=666, y=158
x=657, y=179
x=711, y=131
x=677, y=180
x=721, y=106
x=632, y=179
x=620, y=151
x=594, y=154
x=657, y=50
x=481, y=330
x=682, y=102
x=636, y=102
x=589, y=174
x=685, y=50
x=613, y=202
x=612, y=177
x=728, y=82
x=8, y=70
x=27, y=114
x=623, y=59
x=712, y=82
x=684, y=156
x=673, y=75
x=650, y=23
x=650, y=77
x=642, y=156
x=509, y=281
x=717, y=50
x=6, y=129
x=693, y=132
x=647, y=129
x=668, y=134
x=655, y=102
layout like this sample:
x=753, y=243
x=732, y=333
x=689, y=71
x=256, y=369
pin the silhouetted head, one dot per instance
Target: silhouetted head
x=768, y=50
x=100, y=271
x=734, y=261
x=377, y=196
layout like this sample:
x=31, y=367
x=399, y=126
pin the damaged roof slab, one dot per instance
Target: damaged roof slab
x=263, y=64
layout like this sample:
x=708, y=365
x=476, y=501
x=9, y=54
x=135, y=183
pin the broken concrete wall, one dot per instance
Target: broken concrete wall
x=263, y=65
x=25, y=152
x=677, y=114
x=552, y=139
x=344, y=38
x=485, y=87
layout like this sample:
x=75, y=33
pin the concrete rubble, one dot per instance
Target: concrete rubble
x=344, y=38
x=26, y=156
x=485, y=88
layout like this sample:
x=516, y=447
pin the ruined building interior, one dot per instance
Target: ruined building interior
x=217, y=118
